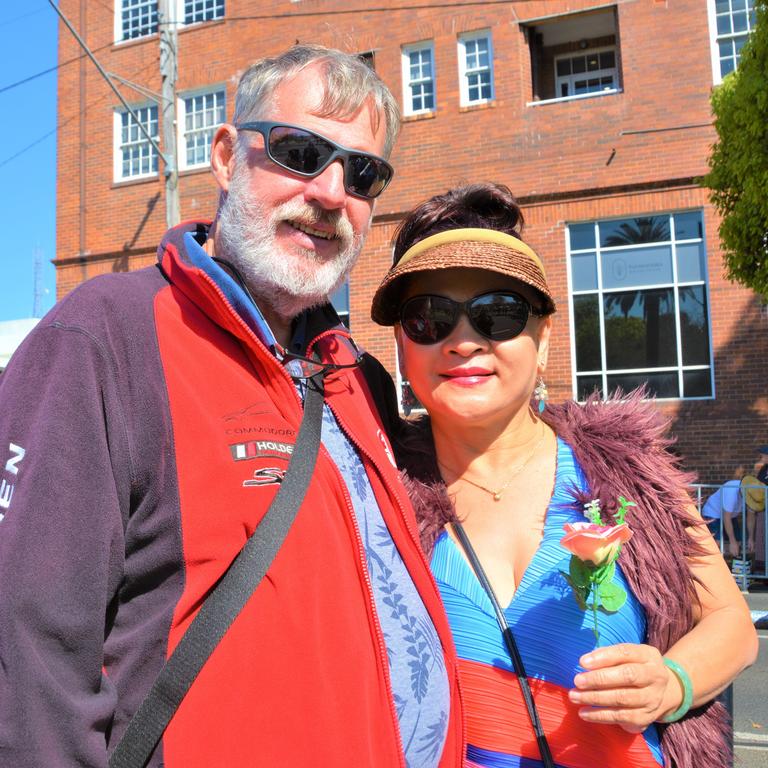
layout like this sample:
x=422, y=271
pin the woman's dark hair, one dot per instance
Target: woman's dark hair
x=484, y=205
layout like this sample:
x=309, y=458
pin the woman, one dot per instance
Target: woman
x=472, y=314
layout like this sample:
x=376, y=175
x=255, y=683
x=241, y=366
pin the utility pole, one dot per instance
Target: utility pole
x=166, y=12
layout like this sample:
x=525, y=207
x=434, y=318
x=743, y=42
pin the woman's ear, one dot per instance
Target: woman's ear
x=545, y=329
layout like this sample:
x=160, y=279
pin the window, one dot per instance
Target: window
x=731, y=21
x=640, y=307
x=585, y=73
x=476, y=68
x=135, y=157
x=202, y=10
x=138, y=18
x=202, y=114
x=340, y=302
x=418, y=79
x=574, y=55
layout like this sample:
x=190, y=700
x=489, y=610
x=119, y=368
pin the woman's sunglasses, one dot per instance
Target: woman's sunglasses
x=497, y=315
x=308, y=154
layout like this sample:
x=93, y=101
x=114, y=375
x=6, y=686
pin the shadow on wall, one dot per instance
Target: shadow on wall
x=716, y=436
x=151, y=205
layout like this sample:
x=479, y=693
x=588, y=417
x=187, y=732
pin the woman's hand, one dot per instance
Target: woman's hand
x=627, y=685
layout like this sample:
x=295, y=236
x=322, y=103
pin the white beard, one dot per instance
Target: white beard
x=288, y=282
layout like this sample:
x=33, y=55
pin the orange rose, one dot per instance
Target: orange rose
x=596, y=544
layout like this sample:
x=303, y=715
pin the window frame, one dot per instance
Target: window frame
x=408, y=98
x=614, y=71
x=117, y=143
x=480, y=34
x=675, y=285
x=181, y=133
x=119, y=23
x=182, y=13
x=178, y=12
x=714, y=37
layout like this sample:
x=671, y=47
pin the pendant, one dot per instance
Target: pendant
x=497, y=496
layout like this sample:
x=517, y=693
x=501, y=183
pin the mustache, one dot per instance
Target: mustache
x=310, y=216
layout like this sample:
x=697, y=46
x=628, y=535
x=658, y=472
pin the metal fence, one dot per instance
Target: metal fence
x=749, y=567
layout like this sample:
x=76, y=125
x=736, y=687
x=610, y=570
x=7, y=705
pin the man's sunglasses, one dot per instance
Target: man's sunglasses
x=308, y=154
x=497, y=315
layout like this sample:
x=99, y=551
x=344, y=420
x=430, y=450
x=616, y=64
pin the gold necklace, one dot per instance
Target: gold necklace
x=516, y=471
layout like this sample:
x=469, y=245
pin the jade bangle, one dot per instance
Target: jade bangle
x=686, y=685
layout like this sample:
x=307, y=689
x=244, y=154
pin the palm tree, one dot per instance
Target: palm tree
x=645, y=229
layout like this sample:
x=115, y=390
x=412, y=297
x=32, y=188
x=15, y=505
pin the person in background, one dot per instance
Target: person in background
x=570, y=523
x=145, y=426
x=719, y=512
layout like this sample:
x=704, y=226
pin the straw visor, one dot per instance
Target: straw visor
x=473, y=248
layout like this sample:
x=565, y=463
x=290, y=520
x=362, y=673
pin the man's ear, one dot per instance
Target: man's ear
x=223, y=155
x=545, y=329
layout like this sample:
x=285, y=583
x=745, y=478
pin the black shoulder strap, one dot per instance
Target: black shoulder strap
x=511, y=643
x=227, y=599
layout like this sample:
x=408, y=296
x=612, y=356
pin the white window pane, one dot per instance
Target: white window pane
x=139, y=18
x=640, y=266
x=584, y=271
x=691, y=262
x=202, y=10
x=203, y=114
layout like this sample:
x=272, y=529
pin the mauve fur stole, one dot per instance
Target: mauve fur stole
x=621, y=446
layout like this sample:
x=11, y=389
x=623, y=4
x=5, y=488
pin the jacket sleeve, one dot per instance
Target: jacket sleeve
x=64, y=493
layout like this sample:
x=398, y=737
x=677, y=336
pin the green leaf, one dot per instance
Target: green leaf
x=604, y=574
x=580, y=572
x=579, y=593
x=612, y=597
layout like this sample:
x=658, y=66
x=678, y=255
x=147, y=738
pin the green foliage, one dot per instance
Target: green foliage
x=738, y=177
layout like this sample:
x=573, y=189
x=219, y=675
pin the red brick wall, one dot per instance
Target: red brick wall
x=631, y=153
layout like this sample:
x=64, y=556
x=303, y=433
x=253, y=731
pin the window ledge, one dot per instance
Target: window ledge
x=416, y=116
x=579, y=97
x=197, y=24
x=491, y=104
x=194, y=170
x=120, y=183
x=152, y=36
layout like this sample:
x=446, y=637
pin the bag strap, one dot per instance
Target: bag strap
x=512, y=649
x=228, y=597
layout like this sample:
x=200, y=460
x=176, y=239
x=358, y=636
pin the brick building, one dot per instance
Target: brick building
x=596, y=114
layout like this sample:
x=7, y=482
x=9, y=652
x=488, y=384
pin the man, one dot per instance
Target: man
x=146, y=424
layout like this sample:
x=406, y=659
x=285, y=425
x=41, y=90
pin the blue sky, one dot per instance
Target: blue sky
x=28, y=45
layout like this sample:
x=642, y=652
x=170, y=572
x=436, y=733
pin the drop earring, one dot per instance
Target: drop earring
x=540, y=394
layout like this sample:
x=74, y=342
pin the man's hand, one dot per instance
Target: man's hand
x=627, y=685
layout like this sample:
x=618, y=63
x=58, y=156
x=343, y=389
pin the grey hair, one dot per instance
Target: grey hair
x=349, y=84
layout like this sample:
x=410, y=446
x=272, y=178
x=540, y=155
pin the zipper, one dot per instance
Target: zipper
x=415, y=540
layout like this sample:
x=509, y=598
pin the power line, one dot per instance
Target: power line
x=88, y=106
x=19, y=18
x=51, y=69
